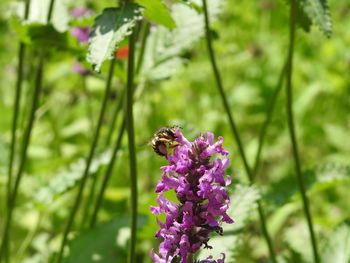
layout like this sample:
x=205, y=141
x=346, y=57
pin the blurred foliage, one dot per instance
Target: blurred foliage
x=176, y=86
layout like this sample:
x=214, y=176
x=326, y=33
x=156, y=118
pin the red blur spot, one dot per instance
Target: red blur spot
x=122, y=52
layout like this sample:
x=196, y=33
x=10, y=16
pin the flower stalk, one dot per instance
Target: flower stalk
x=292, y=133
x=131, y=146
x=234, y=127
x=88, y=162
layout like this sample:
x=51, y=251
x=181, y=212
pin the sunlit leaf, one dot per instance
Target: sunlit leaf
x=109, y=29
x=165, y=47
x=157, y=11
x=318, y=13
x=337, y=248
x=67, y=179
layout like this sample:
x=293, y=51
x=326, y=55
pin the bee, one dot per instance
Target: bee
x=163, y=139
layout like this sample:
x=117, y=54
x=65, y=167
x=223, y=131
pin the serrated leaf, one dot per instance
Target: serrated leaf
x=67, y=179
x=318, y=13
x=109, y=29
x=104, y=244
x=302, y=19
x=243, y=202
x=337, y=248
x=164, y=47
x=157, y=11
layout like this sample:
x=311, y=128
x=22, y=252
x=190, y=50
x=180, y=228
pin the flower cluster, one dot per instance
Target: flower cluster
x=199, y=185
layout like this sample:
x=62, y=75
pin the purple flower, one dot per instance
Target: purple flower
x=79, y=68
x=81, y=33
x=81, y=11
x=196, y=174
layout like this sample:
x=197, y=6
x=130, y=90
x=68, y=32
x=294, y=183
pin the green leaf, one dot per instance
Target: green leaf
x=46, y=35
x=67, y=179
x=157, y=11
x=337, y=248
x=317, y=179
x=318, y=13
x=164, y=47
x=106, y=243
x=243, y=202
x=109, y=29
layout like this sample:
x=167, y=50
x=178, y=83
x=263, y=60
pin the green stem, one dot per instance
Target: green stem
x=29, y=238
x=16, y=106
x=190, y=258
x=107, y=175
x=145, y=32
x=291, y=126
x=88, y=202
x=21, y=54
x=88, y=102
x=49, y=13
x=131, y=144
x=88, y=163
x=267, y=121
x=117, y=109
x=233, y=125
x=23, y=155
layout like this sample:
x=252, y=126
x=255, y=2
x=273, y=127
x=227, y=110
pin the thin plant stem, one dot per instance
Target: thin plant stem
x=23, y=155
x=89, y=200
x=292, y=132
x=88, y=163
x=131, y=146
x=107, y=175
x=29, y=238
x=88, y=102
x=16, y=106
x=50, y=12
x=234, y=127
x=267, y=121
x=145, y=31
x=117, y=109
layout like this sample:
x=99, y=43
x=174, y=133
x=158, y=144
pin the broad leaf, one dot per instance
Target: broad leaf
x=157, y=11
x=164, y=47
x=243, y=202
x=337, y=248
x=109, y=29
x=106, y=243
x=318, y=13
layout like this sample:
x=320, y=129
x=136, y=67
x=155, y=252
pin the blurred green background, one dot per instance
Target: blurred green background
x=251, y=40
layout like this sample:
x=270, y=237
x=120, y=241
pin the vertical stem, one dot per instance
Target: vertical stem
x=88, y=102
x=49, y=13
x=23, y=155
x=131, y=144
x=117, y=109
x=267, y=121
x=233, y=125
x=145, y=31
x=16, y=106
x=88, y=163
x=107, y=175
x=88, y=202
x=291, y=126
